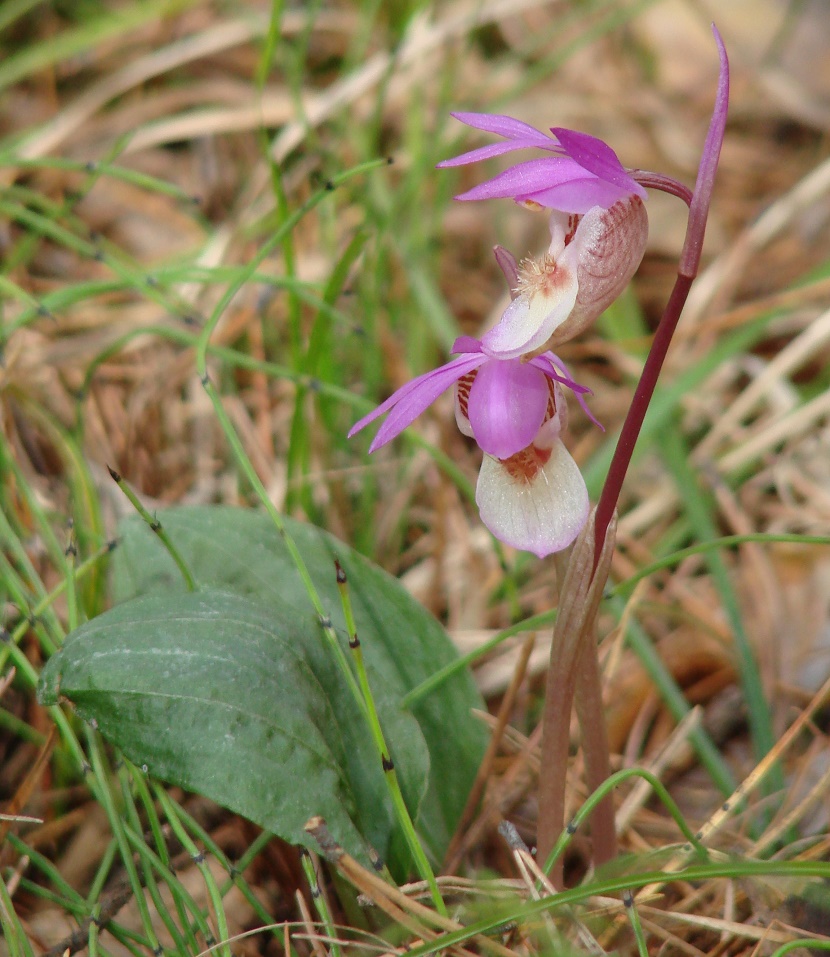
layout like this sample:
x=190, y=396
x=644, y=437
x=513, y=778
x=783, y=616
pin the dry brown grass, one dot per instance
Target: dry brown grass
x=758, y=424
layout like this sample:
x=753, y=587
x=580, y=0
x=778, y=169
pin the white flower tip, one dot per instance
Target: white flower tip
x=531, y=503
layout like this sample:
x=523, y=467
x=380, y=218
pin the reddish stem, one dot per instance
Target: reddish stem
x=686, y=272
x=637, y=410
x=664, y=183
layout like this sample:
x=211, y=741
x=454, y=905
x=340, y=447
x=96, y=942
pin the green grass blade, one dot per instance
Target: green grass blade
x=675, y=701
x=699, y=507
x=76, y=41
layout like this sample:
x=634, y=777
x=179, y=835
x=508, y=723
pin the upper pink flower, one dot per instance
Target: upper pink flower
x=584, y=172
x=598, y=223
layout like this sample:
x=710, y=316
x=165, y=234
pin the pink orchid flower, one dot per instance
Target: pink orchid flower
x=598, y=225
x=583, y=172
x=530, y=492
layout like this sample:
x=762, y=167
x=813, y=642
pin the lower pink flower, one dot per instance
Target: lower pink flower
x=530, y=492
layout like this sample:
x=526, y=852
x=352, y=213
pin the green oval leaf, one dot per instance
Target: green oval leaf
x=213, y=693
x=231, y=691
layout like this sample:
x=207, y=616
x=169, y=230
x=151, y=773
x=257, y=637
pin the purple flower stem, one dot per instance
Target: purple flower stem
x=637, y=410
x=664, y=183
x=686, y=272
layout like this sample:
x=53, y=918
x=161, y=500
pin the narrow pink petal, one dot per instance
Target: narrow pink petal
x=541, y=514
x=405, y=405
x=550, y=363
x=578, y=195
x=506, y=126
x=412, y=386
x=598, y=158
x=483, y=153
x=509, y=267
x=527, y=178
x=699, y=210
x=507, y=405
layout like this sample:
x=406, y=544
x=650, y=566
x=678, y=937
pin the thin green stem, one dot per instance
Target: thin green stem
x=116, y=823
x=248, y=470
x=36, y=611
x=71, y=899
x=148, y=875
x=93, y=933
x=235, y=871
x=24, y=582
x=102, y=872
x=156, y=527
x=388, y=764
x=701, y=548
x=81, y=489
x=434, y=682
x=71, y=580
x=320, y=902
x=258, y=845
x=636, y=926
x=189, y=913
x=171, y=813
x=101, y=168
x=16, y=937
x=607, y=887
x=41, y=893
x=808, y=944
x=267, y=248
x=237, y=448
x=602, y=792
x=153, y=865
